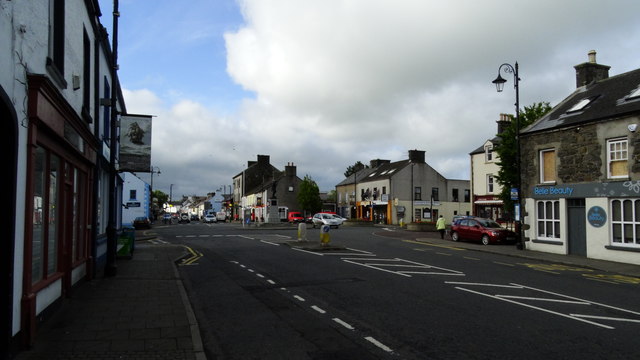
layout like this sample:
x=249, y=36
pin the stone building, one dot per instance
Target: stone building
x=581, y=169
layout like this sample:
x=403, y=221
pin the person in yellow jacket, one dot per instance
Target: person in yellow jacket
x=441, y=226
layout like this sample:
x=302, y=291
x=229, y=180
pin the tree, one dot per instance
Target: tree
x=355, y=168
x=507, y=149
x=161, y=198
x=309, y=195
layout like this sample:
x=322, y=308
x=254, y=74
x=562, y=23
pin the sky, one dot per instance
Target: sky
x=324, y=84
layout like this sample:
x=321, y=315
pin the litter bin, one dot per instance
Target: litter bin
x=127, y=241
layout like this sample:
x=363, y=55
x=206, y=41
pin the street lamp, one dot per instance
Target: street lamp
x=499, y=82
x=154, y=170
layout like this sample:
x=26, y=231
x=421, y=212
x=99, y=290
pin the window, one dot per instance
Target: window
x=132, y=194
x=634, y=94
x=625, y=222
x=488, y=153
x=579, y=105
x=549, y=219
x=55, y=61
x=467, y=195
x=454, y=195
x=490, y=183
x=617, y=154
x=44, y=250
x=548, y=166
x=417, y=193
x=435, y=194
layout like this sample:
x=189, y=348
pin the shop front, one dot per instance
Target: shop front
x=595, y=220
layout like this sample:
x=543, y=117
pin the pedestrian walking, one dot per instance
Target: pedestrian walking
x=441, y=226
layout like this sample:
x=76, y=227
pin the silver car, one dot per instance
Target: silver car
x=320, y=219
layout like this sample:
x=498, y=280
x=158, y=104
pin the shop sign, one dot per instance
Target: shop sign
x=597, y=216
x=587, y=190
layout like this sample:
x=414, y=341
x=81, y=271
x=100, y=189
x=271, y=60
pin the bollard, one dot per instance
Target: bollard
x=302, y=231
x=324, y=235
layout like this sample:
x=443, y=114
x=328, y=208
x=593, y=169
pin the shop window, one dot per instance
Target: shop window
x=548, y=217
x=617, y=156
x=548, y=166
x=44, y=247
x=625, y=222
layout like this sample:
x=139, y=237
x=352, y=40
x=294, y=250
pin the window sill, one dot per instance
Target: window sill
x=548, y=242
x=622, y=248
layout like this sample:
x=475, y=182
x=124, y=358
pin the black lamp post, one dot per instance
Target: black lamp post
x=499, y=82
x=154, y=170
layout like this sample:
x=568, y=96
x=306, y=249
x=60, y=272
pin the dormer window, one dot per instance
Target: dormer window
x=580, y=105
x=488, y=153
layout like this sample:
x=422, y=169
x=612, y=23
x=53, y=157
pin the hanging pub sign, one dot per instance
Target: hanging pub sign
x=135, y=143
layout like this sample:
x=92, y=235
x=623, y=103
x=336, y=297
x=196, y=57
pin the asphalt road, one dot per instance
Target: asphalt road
x=382, y=295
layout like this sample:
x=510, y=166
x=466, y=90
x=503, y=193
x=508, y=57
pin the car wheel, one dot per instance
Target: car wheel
x=455, y=236
x=485, y=239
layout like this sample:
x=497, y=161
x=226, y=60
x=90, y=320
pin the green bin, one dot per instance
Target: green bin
x=127, y=241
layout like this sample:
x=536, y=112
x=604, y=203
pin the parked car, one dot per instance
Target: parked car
x=486, y=231
x=320, y=219
x=338, y=217
x=141, y=222
x=184, y=218
x=209, y=218
x=194, y=217
x=295, y=217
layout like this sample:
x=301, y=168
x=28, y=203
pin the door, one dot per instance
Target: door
x=577, y=227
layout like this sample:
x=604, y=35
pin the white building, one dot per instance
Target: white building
x=136, y=199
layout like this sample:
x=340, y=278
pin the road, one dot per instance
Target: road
x=380, y=294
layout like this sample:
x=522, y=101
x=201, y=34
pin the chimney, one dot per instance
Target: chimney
x=263, y=159
x=416, y=156
x=290, y=170
x=591, y=71
x=378, y=162
x=503, y=123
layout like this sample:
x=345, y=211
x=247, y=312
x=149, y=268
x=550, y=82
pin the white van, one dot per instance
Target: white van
x=221, y=216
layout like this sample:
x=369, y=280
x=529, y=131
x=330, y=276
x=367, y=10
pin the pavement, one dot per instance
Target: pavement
x=144, y=313
x=141, y=313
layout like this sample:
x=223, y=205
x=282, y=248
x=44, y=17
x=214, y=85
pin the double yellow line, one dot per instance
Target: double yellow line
x=195, y=255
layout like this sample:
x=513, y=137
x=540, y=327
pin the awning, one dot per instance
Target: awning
x=488, y=202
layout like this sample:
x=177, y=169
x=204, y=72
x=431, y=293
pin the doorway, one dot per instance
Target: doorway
x=577, y=227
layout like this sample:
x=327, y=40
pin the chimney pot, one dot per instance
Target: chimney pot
x=592, y=56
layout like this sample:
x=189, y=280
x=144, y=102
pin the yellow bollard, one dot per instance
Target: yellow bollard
x=324, y=235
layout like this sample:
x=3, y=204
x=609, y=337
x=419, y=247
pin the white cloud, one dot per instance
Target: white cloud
x=337, y=82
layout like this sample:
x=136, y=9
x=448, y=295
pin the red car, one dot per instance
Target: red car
x=486, y=231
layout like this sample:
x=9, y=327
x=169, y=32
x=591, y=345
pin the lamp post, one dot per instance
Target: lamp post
x=154, y=170
x=499, y=82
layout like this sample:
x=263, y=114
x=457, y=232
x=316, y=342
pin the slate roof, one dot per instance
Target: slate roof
x=610, y=99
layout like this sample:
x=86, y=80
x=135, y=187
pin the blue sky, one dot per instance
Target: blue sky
x=324, y=84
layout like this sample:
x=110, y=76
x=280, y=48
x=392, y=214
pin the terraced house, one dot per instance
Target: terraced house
x=56, y=105
x=581, y=169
